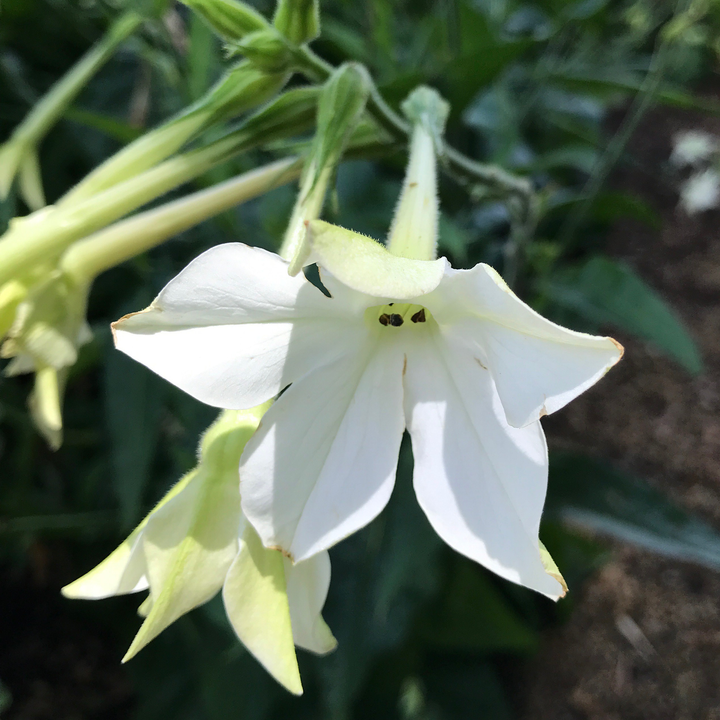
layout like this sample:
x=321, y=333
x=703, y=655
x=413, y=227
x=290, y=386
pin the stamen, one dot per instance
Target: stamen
x=396, y=320
x=419, y=316
x=384, y=319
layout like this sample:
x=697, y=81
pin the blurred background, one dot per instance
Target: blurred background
x=613, y=109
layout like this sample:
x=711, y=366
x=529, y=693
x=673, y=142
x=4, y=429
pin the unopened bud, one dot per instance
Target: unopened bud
x=230, y=19
x=298, y=20
x=268, y=50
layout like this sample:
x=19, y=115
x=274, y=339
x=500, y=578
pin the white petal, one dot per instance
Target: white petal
x=256, y=602
x=307, y=587
x=234, y=328
x=322, y=464
x=538, y=366
x=189, y=544
x=122, y=572
x=480, y=482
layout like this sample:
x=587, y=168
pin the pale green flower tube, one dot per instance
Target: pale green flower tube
x=123, y=240
x=40, y=237
x=44, y=317
x=19, y=153
x=242, y=88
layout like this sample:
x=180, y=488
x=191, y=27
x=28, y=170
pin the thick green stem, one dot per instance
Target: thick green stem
x=120, y=242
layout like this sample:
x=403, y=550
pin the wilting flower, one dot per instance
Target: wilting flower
x=196, y=542
x=453, y=355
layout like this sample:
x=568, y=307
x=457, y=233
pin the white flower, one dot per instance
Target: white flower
x=196, y=542
x=692, y=147
x=700, y=192
x=452, y=355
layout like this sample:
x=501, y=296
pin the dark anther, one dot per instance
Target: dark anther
x=396, y=320
x=390, y=304
x=419, y=316
x=384, y=319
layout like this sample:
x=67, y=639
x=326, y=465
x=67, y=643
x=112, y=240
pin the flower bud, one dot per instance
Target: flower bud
x=340, y=107
x=268, y=50
x=230, y=19
x=298, y=20
x=413, y=233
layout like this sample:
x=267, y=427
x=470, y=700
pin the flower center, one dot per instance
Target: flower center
x=398, y=314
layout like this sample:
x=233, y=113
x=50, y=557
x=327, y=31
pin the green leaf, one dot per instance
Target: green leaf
x=610, y=82
x=606, y=291
x=593, y=495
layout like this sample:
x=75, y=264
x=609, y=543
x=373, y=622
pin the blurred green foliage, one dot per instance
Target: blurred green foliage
x=423, y=634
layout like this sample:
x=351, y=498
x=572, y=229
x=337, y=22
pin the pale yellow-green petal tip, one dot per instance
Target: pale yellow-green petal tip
x=365, y=265
x=326, y=640
x=45, y=405
x=552, y=569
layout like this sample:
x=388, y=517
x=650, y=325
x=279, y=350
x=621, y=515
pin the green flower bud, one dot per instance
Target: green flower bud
x=341, y=105
x=267, y=49
x=298, y=20
x=230, y=19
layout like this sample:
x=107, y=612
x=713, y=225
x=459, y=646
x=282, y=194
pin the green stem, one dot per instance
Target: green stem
x=497, y=179
x=86, y=259
x=240, y=89
x=47, y=111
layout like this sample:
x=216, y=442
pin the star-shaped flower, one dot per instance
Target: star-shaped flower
x=453, y=356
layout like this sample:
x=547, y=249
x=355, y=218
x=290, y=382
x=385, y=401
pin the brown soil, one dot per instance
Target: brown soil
x=644, y=641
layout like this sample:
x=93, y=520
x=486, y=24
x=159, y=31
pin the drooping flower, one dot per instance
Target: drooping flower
x=196, y=542
x=399, y=342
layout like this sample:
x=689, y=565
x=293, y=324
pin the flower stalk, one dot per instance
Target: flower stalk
x=19, y=153
x=340, y=107
x=242, y=88
x=42, y=237
x=117, y=243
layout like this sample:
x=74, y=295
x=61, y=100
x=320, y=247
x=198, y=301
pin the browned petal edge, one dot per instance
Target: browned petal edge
x=113, y=325
x=619, y=347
